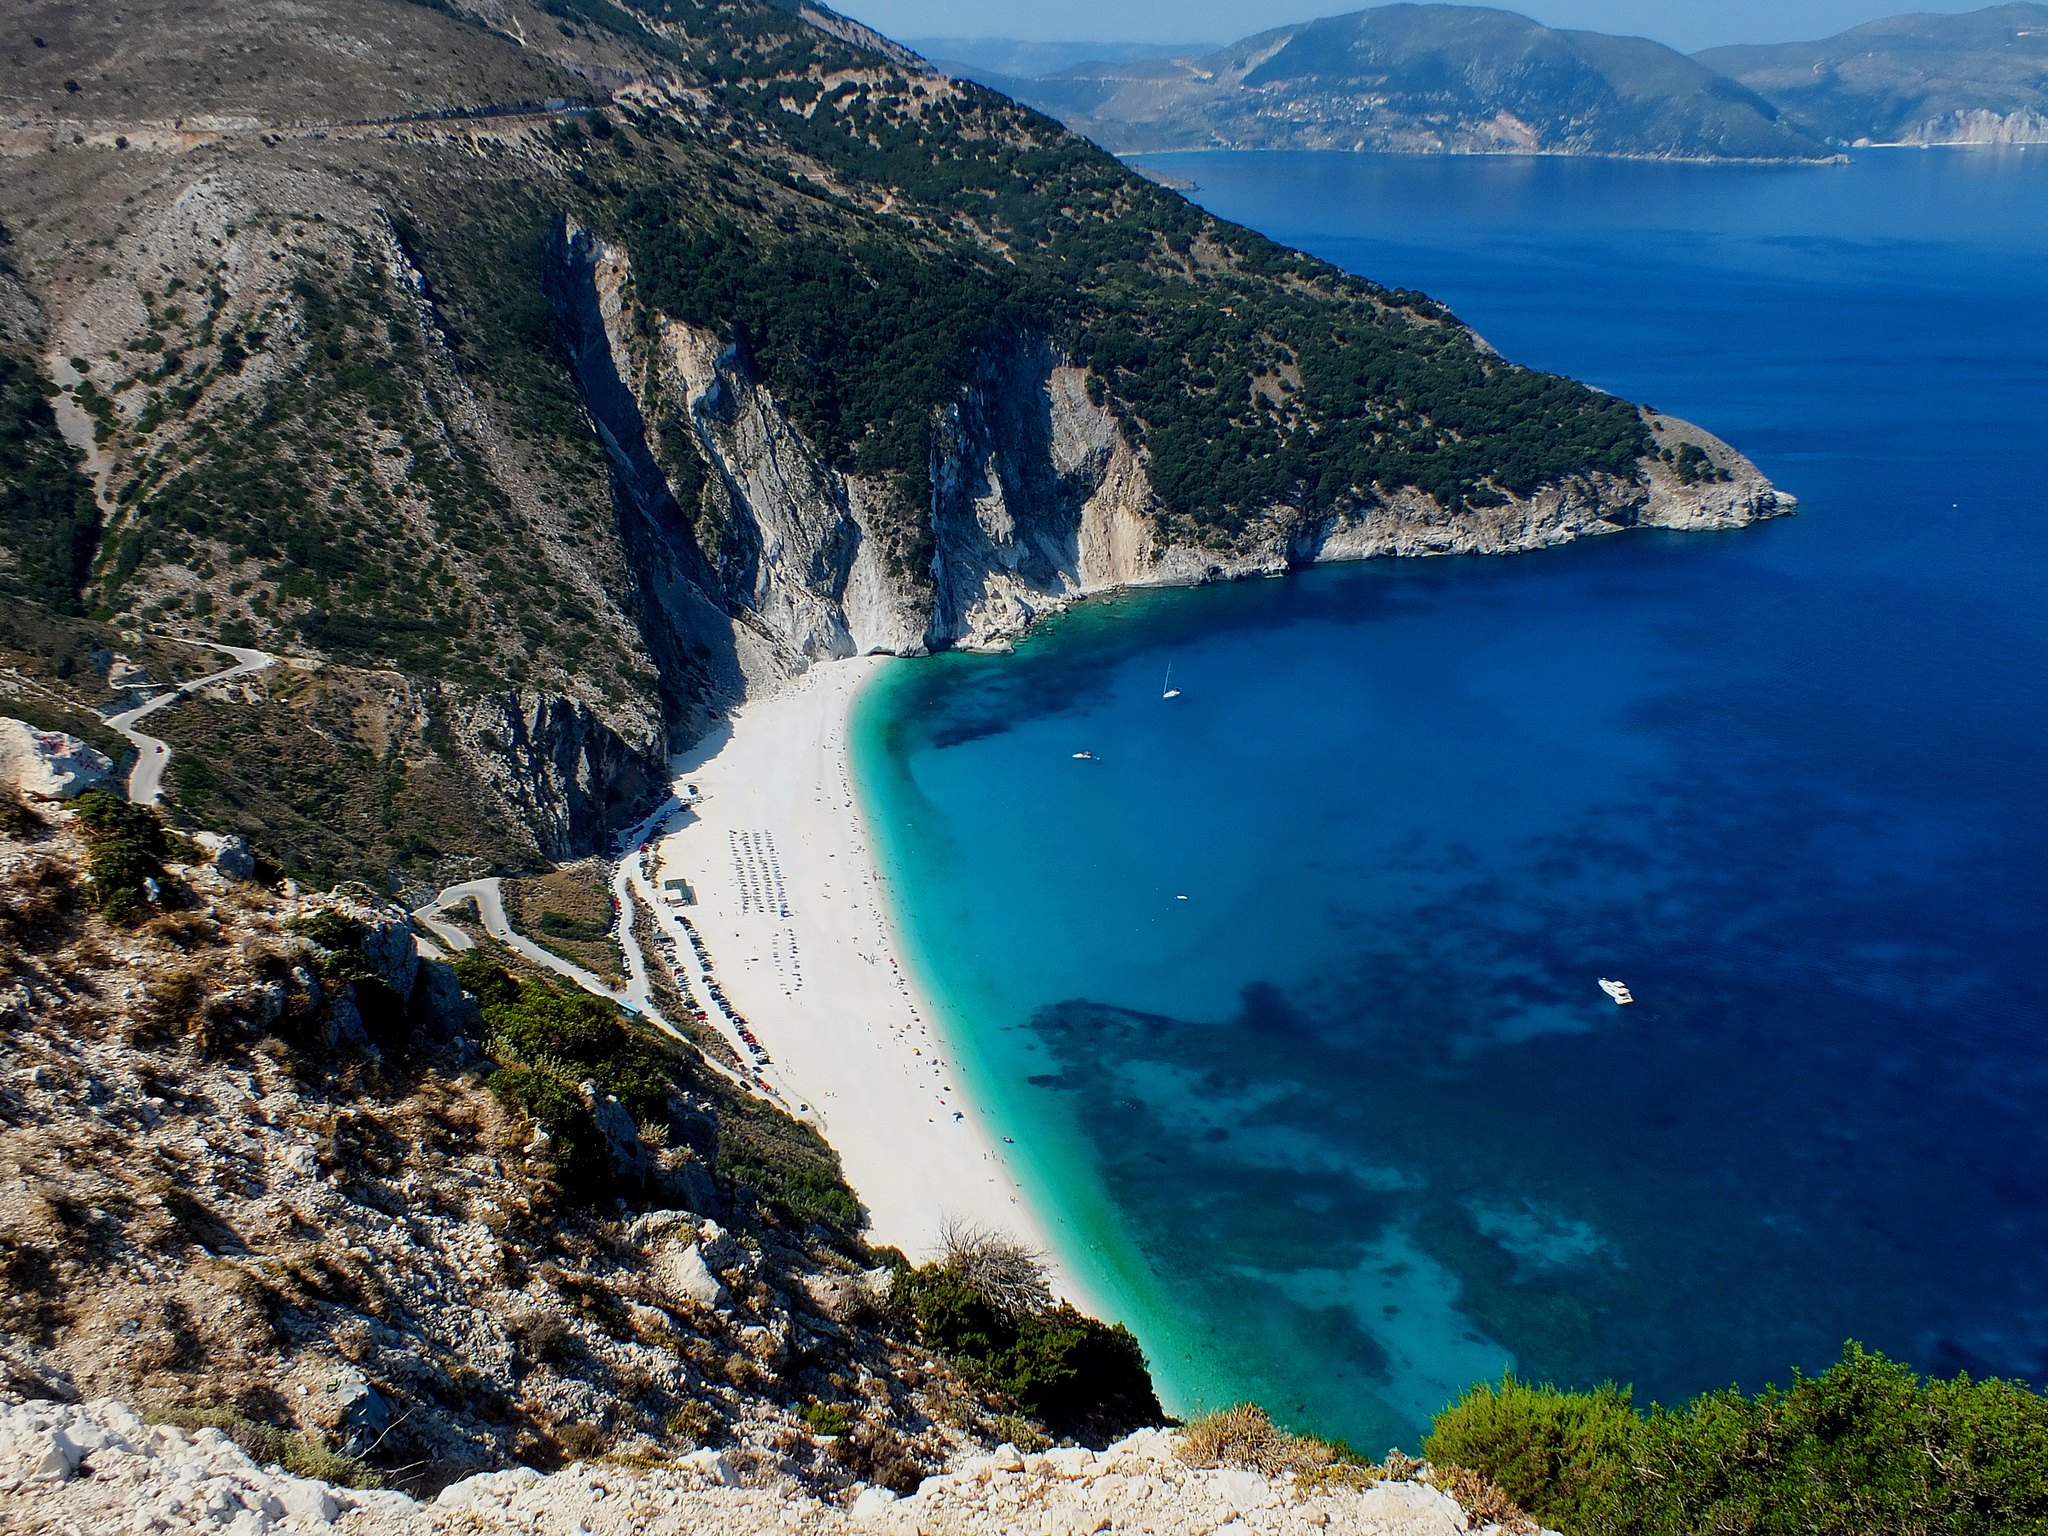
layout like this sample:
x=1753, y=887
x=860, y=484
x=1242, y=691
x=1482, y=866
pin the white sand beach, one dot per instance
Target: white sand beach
x=789, y=909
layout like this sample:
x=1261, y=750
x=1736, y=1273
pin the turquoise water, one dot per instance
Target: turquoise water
x=1288, y=996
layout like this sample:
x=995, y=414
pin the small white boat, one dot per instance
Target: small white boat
x=1171, y=691
x=1615, y=990
x=1088, y=755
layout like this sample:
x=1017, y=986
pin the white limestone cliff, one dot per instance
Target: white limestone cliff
x=1038, y=497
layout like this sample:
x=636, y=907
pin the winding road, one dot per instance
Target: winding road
x=146, y=778
x=489, y=896
x=627, y=885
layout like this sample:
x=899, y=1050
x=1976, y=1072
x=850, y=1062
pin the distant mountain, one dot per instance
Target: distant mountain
x=1420, y=78
x=1011, y=58
x=1979, y=78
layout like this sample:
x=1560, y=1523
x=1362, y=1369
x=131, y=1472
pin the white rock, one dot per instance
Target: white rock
x=1245, y=1490
x=306, y=1500
x=52, y=1456
x=460, y=1495
x=1414, y=1509
x=231, y=855
x=48, y=765
x=713, y=1466
x=649, y=1319
x=872, y=1505
x=1069, y=1460
x=683, y=1273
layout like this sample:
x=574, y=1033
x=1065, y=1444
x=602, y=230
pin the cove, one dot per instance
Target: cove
x=1287, y=994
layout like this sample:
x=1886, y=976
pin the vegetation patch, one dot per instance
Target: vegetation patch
x=1867, y=1447
x=568, y=911
x=127, y=844
x=49, y=518
x=296, y=773
x=549, y=1042
x=985, y=1306
x=266, y=1445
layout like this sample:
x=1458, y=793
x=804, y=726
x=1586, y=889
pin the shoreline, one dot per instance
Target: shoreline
x=793, y=914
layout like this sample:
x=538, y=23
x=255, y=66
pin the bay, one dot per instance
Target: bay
x=1287, y=994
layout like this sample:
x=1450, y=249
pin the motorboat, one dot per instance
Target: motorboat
x=1616, y=990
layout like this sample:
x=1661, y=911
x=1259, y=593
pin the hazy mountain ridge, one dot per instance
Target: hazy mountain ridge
x=1422, y=78
x=1980, y=77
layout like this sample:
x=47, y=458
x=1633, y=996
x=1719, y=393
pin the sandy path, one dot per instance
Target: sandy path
x=788, y=907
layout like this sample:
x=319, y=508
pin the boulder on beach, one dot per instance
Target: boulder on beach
x=48, y=765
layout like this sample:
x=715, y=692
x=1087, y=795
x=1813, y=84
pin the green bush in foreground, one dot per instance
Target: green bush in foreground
x=1866, y=1448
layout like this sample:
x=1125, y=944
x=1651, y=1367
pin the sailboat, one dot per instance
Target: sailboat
x=1171, y=691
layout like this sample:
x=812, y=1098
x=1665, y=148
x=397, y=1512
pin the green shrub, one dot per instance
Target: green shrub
x=559, y=925
x=825, y=1418
x=126, y=844
x=577, y=1154
x=1549, y=1450
x=1866, y=1447
x=1055, y=1364
x=790, y=1168
x=786, y=1164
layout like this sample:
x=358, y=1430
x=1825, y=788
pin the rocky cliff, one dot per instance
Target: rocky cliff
x=1039, y=496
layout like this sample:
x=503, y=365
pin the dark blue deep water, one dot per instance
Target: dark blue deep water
x=1350, y=1126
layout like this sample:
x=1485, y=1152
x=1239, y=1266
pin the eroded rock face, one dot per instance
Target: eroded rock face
x=630, y=1159
x=48, y=765
x=1038, y=497
x=388, y=942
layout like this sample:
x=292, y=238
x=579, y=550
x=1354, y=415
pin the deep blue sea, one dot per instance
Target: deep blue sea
x=1288, y=997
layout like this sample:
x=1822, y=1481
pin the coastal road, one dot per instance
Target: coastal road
x=637, y=994
x=146, y=779
x=632, y=883
x=489, y=896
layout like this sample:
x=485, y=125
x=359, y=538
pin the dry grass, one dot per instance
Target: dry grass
x=1484, y=1501
x=38, y=901
x=1244, y=1436
x=18, y=818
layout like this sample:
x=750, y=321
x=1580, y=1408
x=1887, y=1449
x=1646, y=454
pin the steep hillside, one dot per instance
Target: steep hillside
x=541, y=380
x=1418, y=79
x=1978, y=78
x=385, y=1219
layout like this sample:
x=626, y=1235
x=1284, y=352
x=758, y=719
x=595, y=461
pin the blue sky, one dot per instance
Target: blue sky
x=1684, y=24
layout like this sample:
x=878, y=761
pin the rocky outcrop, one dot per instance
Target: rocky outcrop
x=99, y=1466
x=1980, y=125
x=567, y=775
x=48, y=765
x=230, y=851
x=1039, y=496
